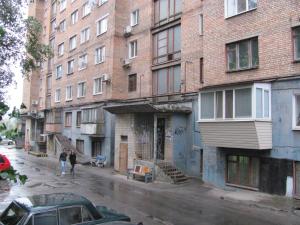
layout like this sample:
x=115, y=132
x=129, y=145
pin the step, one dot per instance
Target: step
x=38, y=154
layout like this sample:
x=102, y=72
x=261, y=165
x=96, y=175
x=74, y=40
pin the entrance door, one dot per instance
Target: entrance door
x=96, y=148
x=123, y=155
x=297, y=179
x=160, y=145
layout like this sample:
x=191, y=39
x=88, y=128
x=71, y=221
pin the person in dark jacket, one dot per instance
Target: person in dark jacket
x=63, y=160
x=72, y=158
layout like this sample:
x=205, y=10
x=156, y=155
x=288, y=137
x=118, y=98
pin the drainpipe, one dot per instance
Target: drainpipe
x=154, y=144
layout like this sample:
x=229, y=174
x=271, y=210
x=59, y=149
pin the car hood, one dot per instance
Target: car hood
x=111, y=214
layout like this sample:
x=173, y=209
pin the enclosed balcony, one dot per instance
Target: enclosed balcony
x=53, y=128
x=92, y=121
x=236, y=117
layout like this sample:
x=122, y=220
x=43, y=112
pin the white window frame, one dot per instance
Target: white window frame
x=86, y=9
x=295, y=127
x=79, y=61
x=84, y=90
x=263, y=86
x=94, y=85
x=236, y=9
x=85, y=35
x=102, y=53
x=53, y=25
x=63, y=5
x=63, y=25
x=56, y=74
x=74, y=15
x=60, y=50
x=134, y=18
x=100, y=20
x=56, y=99
x=101, y=2
x=71, y=95
x=71, y=60
x=134, y=42
x=72, y=42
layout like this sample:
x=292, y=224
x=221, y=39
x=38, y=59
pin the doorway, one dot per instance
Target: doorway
x=96, y=148
x=297, y=179
x=160, y=145
x=123, y=154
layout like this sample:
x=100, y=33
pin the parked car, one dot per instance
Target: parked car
x=4, y=163
x=57, y=209
x=6, y=141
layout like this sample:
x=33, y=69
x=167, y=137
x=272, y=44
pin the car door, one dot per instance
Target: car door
x=70, y=215
x=46, y=218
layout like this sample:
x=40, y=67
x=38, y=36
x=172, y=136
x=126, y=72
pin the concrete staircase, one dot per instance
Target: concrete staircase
x=172, y=172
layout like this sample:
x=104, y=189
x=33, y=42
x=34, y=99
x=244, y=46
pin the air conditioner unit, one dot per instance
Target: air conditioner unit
x=127, y=31
x=34, y=102
x=106, y=78
x=41, y=114
x=126, y=63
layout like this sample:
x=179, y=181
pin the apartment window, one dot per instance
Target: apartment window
x=82, y=62
x=201, y=24
x=68, y=119
x=167, y=45
x=71, y=66
x=52, y=43
x=80, y=145
x=201, y=70
x=69, y=93
x=62, y=26
x=134, y=18
x=100, y=55
x=74, y=17
x=61, y=49
x=85, y=35
x=296, y=111
x=251, y=102
x=92, y=115
x=49, y=84
x=53, y=9
x=59, y=71
x=234, y=7
x=57, y=95
x=78, y=118
x=242, y=55
x=166, y=10
x=166, y=81
x=296, y=38
x=72, y=43
x=86, y=9
x=53, y=26
x=132, y=80
x=102, y=25
x=101, y=2
x=98, y=85
x=81, y=89
x=133, y=49
x=63, y=5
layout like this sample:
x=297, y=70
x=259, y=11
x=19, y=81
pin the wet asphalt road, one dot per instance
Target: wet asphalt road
x=154, y=204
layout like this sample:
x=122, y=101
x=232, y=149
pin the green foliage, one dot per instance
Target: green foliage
x=12, y=134
x=13, y=175
x=2, y=127
x=15, y=113
x=23, y=106
x=3, y=109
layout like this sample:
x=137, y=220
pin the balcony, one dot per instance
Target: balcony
x=92, y=129
x=53, y=128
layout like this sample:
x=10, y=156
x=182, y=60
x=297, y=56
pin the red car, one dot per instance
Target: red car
x=4, y=163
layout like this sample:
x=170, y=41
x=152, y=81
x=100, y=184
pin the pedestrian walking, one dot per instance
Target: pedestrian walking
x=72, y=158
x=63, y=162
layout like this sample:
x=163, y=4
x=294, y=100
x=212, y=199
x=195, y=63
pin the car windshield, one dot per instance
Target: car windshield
x=12, y=215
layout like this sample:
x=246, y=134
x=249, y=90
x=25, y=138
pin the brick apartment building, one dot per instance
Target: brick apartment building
x=209, y=87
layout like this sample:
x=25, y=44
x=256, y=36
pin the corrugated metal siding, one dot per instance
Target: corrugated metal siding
x=264, y=134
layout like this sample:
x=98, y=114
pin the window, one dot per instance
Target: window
x=167, y=81
x=53, y=9
x=84, y=35
x=201, y=70
x=242, y=55
x=69, y=93
x=82, y=62
x=81, y=89
x=62, y=26
x=70, y=215
x=132, y=80
x=68, y=119
x=78, y=118
x=234, y=7
x=296, y=38
x=86, y=9
x=98, y=85
x=80, y=145
x=201, y=24
x=166, y=10
x=53, y=25
x=296, y=111
x=49, y=84
x=236, y=103
x=63, y=5
x=61, y=49
x=101, y=2
x=72, y=43
x=57, y=95
x=92, y=115
x=74, y=17
x=132, y=49
x=71, y=66
x=134, y=18
x=167, y=45
x=13, y=214
x=100, y=55
x=243, y=170
x=102, y=25
x=52, y=43
x=59, y=71
x=46, y=218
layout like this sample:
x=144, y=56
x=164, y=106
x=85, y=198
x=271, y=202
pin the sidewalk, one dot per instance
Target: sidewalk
x=192, y=188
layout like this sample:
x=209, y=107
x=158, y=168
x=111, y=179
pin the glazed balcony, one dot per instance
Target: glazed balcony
x=53, y=128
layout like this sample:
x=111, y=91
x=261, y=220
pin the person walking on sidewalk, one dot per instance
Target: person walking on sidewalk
x=63, y=160
x=72, y=158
